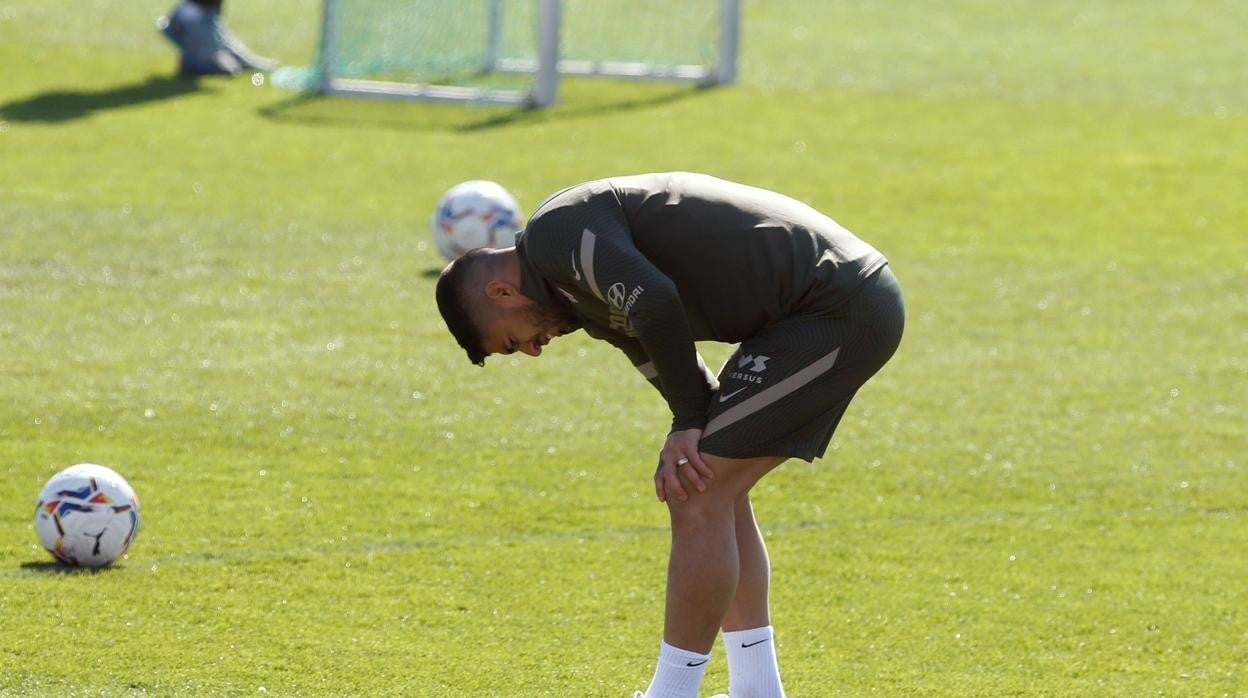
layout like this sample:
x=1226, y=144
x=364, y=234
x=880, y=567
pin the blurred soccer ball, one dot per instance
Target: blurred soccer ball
x=87, y=515
x=473, y=214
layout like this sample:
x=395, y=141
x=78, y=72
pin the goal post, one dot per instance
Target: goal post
x=516, y=51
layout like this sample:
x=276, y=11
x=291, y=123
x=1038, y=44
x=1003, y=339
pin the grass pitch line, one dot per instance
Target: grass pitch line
x=29, y=568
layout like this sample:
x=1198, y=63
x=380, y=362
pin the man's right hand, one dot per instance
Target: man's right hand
x=681, y=467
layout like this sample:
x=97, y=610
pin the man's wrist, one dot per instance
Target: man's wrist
x=683, y=423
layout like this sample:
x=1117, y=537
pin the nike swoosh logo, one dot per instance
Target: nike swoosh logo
x=725, y=397
x=576, y=275
x=754, y=643
x=704, y=661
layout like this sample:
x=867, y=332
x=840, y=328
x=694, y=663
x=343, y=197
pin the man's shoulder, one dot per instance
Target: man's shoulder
x=614, y=189
x=575, y=195
x=560, y=220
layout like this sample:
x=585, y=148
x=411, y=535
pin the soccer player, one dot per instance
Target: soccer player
x=652, y=263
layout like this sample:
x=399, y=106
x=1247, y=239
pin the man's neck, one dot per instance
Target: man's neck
x=509, y=269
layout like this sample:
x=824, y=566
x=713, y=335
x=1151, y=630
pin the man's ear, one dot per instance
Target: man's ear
x=502, y=292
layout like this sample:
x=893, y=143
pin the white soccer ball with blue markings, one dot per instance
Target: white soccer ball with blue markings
x=87, y=515
x=473, y=214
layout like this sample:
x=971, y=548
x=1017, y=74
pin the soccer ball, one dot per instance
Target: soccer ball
x=87, y=515
x=473, y=214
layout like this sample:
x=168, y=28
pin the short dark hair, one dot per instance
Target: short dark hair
x=455, y=305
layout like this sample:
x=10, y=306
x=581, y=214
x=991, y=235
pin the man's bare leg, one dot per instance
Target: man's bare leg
x=749, y=607
x=748, y=635
x=705, y=565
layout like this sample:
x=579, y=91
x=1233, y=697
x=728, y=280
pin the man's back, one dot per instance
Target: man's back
x=741, y=257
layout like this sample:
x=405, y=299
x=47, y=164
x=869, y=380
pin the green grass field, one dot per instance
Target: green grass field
x=224, y=291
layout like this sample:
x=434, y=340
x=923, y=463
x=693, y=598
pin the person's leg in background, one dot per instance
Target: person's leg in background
x=208, y=47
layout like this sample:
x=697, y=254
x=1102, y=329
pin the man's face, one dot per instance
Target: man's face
x=525, y=328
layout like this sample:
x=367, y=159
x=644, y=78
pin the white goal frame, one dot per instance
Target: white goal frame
x=546, y=68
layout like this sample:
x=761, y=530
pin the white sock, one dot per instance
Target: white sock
x=752, y=668
x=678, y=674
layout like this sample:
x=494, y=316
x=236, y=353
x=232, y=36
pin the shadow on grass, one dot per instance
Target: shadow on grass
x=53, y=567
x=68, y=105
x=427, y=116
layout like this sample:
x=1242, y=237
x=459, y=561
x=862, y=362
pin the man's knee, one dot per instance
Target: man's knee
x=702, y=507
x=715, y=505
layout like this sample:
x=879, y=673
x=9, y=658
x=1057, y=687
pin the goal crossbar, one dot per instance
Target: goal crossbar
x=546, y=67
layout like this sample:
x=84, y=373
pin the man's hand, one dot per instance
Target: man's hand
x=681, y=466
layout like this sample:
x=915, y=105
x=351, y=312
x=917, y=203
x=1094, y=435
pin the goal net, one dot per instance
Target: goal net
x=514, y=51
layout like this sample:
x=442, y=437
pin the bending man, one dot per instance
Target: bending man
x=651, y=264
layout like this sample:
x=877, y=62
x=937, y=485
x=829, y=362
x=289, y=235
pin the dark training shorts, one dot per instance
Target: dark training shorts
x=783, y=391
